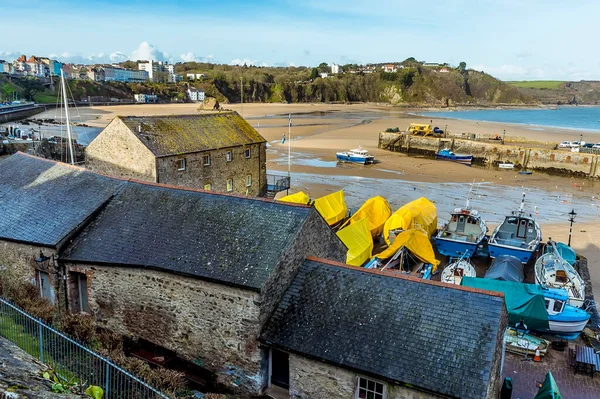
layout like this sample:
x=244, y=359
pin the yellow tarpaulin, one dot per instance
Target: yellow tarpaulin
x=357, y=238
x=417, y=242
x=376, y=210
x=299, y=198
x=332, y=207
x=420, y=213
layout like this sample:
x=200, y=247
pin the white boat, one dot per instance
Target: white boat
x=506, y=165
x=454, y=272
x=522, y=343
x=357, y=155
x=552, y=271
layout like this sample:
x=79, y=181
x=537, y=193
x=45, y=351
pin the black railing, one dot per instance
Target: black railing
x=277, y=183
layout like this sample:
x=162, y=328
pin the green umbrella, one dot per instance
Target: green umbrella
x=549, y=389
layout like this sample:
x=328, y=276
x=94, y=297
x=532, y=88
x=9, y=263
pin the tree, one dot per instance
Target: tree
x=323, y=67
x=314, y=74
x=462, y=67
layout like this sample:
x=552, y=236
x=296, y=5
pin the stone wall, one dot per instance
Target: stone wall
x=198, y=175
x=18, y=260
x=213, y=325
x=311, y=379
x=495, y=382
x=315, y=238
x=493, y=152
x=116, y=151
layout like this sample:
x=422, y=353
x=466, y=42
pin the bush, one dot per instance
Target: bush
x=27, y=297
x=78, y=326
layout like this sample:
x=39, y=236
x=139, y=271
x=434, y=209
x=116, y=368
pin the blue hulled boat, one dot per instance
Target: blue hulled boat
x=519, y=236
x=448, y=155
x=357, y=155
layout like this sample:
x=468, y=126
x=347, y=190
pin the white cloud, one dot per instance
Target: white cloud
x=188, y=57
x=146, y=51
x=246, y=61
x=118, y=56
x=9, y=56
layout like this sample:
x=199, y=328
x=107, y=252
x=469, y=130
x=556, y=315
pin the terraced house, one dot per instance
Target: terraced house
x=217, y=152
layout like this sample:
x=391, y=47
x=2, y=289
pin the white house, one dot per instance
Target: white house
x=444, y=70
x=145, y=98
x=324, y=75
x=335, y=68
x=389, y=68
x=195, y=94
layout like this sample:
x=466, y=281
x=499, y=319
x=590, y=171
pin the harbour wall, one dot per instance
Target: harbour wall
x=20, y=113
x=487, y=153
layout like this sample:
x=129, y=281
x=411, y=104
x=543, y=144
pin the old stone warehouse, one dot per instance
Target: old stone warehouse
x=250, y=290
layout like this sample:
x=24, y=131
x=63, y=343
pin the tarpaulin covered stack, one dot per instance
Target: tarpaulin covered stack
x=415, y=241
x=357, y=238
x=332, y=207
x=420, y=213
x=376, y=210
x=298, y=198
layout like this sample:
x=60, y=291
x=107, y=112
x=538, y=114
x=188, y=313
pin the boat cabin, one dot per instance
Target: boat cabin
x=463, y=225
x=554, y=306
x=517, y=231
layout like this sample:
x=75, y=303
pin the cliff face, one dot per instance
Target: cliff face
x=583, y=92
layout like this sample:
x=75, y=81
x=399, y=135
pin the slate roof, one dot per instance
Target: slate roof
x=221, y=238
x=436, y=338
x=181, y=134
x=42, y=202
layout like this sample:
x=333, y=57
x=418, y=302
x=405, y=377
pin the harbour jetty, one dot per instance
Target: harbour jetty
x=19, y=111
x=492, y=152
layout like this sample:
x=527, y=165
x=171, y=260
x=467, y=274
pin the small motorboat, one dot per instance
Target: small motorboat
x=552, y=271
x=506, y=165
x=522, y=343
x=462, y=234
x=448, y=155
x=357, y=155
x=525, y=172
x=454, y=272
x=565, y=320
x=519, y=235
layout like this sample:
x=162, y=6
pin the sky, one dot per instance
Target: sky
x=510, y=39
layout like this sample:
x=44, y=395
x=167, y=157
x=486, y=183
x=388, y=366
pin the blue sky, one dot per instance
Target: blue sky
x=511, y=39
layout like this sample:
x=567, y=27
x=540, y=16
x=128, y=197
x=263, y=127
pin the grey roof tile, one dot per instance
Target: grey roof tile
x=395, y=329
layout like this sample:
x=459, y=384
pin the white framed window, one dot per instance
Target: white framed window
x=248, y=180
x=229, y=184
x=248, y=152
x=370, y=389
x=181, y=164
x=229, y=156
x=207, y=187
x=206, y=160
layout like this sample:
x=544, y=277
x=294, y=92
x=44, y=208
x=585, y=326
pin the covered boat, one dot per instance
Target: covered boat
x=357, y=155
x=549, y=388
x=297, y=198
x=454, y=272
x=542, y=309
x=417, y=243
x=519, y=235
x=420, y=213
x=524, y=344
x=332, y=207
x=506, y=268
x=551, y=270
x=359, y=242
x=448, y=155
x=566, y=253
x=462, y=234
x=376, y=210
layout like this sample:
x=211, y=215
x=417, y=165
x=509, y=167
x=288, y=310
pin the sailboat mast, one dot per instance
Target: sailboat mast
x=64, y=90
x=290, y=145
x=522, y=204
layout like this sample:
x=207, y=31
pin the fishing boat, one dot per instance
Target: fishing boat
x=519, y=235
x=524, y=344
x=463, y=234
x=357, y=155
x=551, y=270
x=565, y=320
x=448, y=155
x=454, y=272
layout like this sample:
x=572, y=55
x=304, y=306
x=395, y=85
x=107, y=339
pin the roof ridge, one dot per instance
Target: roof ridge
x=177, y=115
x=407, y=278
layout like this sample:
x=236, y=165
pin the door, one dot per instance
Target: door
x=45, y=288
x=522, y=229
x=280, y=369
x=460, y=225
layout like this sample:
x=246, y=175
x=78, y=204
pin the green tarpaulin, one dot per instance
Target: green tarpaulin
x=523, y=301
x=549, y=389
x=566, y=253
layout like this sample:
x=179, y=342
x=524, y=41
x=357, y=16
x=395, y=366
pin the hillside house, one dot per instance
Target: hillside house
x=195, y=94
x=390, y=68
x=216, y=152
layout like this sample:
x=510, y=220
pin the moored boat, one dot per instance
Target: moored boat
x=522, y=343
x=552, y=271
x=357, y=155
x=448, y=155
x=454, y=272
x=519, y=236
x=506, y=165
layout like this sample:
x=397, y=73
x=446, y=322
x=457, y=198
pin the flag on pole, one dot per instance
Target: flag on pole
x=283, y=139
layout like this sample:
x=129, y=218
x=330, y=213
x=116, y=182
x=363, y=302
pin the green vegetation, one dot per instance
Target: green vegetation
x=538, y=84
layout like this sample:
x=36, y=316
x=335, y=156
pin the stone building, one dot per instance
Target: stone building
x=345, y=332
x=217, y=152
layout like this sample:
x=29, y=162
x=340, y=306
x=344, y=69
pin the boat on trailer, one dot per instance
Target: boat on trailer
x=454, y=272
x=552, y=271
x=519, y=236
x=448, y=155
x=357, y=155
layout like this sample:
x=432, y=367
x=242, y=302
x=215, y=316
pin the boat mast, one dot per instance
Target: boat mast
x=290, y=145
x=64, y=90
x=467, y=205
x=522, y=204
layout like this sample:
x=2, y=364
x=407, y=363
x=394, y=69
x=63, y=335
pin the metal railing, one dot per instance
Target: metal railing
x=277, y=183
x=68, y=359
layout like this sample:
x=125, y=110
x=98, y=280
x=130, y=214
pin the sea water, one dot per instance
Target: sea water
x=568, y=117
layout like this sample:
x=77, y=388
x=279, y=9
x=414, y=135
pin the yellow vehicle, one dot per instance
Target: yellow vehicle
x=417, y=129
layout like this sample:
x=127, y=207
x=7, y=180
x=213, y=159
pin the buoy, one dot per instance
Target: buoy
x=537, y=357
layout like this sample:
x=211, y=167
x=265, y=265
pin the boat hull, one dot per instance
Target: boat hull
x=355, y=159
x=453, y=248
x=466, y=159
x=524, y=255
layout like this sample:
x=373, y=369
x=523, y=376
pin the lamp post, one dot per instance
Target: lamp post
x=572, y=215
x=503, y=135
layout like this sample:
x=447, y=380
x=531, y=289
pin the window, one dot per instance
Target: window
x=229, y=156
x=229, y=184
x=79, y=290
x=248, y=152
x=181, y=164
x=248, y=180
x=558, y=305
x=207, y=187
x=46, y=289
x=369, y=389
x=206, y=160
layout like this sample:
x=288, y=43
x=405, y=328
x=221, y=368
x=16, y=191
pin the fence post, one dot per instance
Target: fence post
x=107, y=376
x=40, y=327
